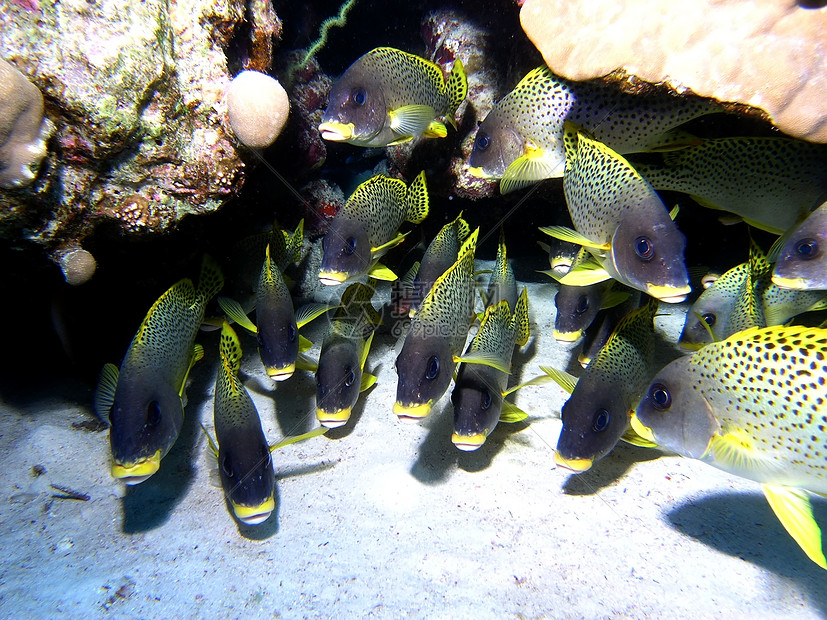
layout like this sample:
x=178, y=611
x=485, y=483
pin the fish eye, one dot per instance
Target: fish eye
x=710, y=319
x=582, y=305
x=601, y=420
x=350, y=245
x=358, y=96
x=644, y=248
x=350, y=378
x=483, y=141
x=153, y=413
x=486, y=400
x=433, y=368
x=660, y=397
x=291, y=332
x=806, y=249
x=227, y=466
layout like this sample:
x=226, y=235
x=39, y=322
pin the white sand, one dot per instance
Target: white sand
x=387, y=520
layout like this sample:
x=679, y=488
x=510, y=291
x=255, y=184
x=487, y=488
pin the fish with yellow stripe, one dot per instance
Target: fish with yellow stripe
x=521, y=139
x=341, y=376
x=388, y=96
x=367, y=227
x=753, y=405
x=144, y=400
x=620, y=219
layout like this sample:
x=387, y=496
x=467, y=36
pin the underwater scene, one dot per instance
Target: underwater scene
x=429, y=309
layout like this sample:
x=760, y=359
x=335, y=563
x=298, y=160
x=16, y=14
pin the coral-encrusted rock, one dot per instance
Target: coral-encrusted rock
x=135, y=89
x=769, y=54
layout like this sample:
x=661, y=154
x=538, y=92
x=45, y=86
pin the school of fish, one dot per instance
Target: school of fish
x=748, y=393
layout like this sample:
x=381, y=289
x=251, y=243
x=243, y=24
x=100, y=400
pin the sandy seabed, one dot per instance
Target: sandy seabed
x=387, y=520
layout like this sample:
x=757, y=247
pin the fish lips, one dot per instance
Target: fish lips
x=254, y=515
x=135, y=473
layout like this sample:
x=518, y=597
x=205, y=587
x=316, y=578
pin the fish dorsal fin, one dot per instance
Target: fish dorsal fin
x=276, y=247
x=561, y=378
x=407, y=280
x=463, y=229
x=793, y=509
x=308, y=312
x=229, y=349
x=572, y=236
x=236, y=313
x=183, y=290
x=411, y=120
x=211, y=280
x=531, y=167
x=294, y=243
x=470, y=244
x=511, y=413
x=520, y=319
x=416, y=200
x=105, y=392
x=457, y=87
x=297, y=438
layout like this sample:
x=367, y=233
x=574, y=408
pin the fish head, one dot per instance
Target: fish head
x=146, y=416
x=424, y=367
x=674, y=413
x=346, y=252
x=477, y=401
x=706, y=319
x=247, y=477
x=802, y=261
x=593, y=422
x=577, y=307
x=278, y=338
x=647, y=252
x=338, y=380
x=357, y=111
x=497, y=145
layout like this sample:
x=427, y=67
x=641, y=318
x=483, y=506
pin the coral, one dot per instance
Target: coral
x=769, y=54
x=77, y=265
x=257, y=107
x=23, y=128
x=308, y=95
x=322, y=201
x=265, y=26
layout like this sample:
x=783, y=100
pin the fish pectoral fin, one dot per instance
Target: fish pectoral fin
x=196, y=355
x=304, y=344
x=308, y=312
x=381, y=249
x=561, y=378
x=528, y=169
x=792, y=507
x=674, y=212
x=367, y=381
x=303, y=362
x=539, y=380
x=236, y=313
x=210, y=441
x=483, y=358
x=297, y=438
x=511, y=413
x=585, y=274
x=105, y=392
x=363, y=354
x=614, y=298
x=412, y=120
x=380, y=272
x=572, y=236
x=435, y=130
x=734, y=450
x=631, y=437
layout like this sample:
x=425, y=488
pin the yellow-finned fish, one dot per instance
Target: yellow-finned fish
x=389, y=96
x=521, y=139
x=622, y=221
x=801, y=261
x=144, y=400
x=754, y=405
x=436, y=337
x=772, y=183
x=440, y=255
x=341, y=376
x=596, y=415
x=367, y=227
x=244, y=463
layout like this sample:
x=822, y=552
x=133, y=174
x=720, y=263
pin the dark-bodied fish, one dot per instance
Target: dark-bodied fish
x=801, y=261
x=501, y=284
x=597, y=414
x=578, y=307
x=144, y=400
x=436, y=337
x=480, y=388
x=442, y=252
x=622, y=221
x=521, y=139
x=753, y=405
x=367, y=227
x=772, y=183
x=340, y=376
x=389, y=96
x=244, y=463
x=597, y=334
